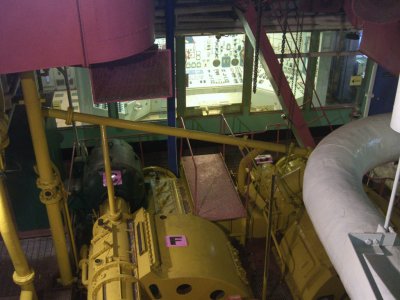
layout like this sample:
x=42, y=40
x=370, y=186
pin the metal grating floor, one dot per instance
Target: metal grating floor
x=41, y=257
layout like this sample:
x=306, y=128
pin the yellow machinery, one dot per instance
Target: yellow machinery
x=109, y=272
x=129, y=255
x=146, y=256
x=165, y=252
x=304, y=263
x=160, y=255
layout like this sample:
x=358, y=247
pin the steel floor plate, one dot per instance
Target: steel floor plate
x=41, y=257
x=217, y=198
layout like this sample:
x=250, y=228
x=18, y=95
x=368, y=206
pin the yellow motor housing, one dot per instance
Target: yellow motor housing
x=192, y=259
x=174, y=256
x=110, y=270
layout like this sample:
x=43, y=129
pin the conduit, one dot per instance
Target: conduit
x=338, y=206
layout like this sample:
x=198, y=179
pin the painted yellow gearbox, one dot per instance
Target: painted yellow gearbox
x=186, y=257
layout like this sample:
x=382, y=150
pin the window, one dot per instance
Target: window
x=214, y=68
x=338, y=78
x=266, y=99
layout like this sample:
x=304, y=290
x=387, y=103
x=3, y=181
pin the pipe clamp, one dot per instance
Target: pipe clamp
x=23, y=280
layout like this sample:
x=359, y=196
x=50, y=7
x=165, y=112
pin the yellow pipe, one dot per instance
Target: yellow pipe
x=172, y=131
x=114, y=214
x=23, y=274
x=67, y=219
x=48, y=182
x=26, y=295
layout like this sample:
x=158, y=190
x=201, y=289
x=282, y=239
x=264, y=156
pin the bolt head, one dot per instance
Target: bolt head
x=368, y=242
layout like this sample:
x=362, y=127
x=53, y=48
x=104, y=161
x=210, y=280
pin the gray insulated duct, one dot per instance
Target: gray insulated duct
x=366, y=258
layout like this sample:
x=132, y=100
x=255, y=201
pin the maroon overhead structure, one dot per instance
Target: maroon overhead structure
x=380, y=21
x=144, y=76
x=46, y=33
x=273, y=68
x=320, y=6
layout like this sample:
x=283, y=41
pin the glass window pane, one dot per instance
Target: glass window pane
x=214, y=67
x=333, y=81
x=266, y=99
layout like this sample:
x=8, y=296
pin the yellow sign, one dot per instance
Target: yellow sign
x=356, y=80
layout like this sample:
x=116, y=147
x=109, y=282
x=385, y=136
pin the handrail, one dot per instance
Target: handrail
x=226, y=124
x=172, y=131
x=195, y=167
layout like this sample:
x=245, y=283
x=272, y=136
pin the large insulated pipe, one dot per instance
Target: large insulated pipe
x=337, y=204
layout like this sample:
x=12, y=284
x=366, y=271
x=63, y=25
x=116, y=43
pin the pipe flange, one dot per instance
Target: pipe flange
x=50, y=196
x=23, y=280
x=48, y=185
x=54, y=183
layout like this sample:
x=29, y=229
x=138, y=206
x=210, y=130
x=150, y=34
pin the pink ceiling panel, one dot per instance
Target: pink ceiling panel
x=381, y=42
x=46, y=33
x=381, y=31
x=38, y=34
x=116, y=29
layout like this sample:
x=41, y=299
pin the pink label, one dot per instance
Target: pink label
x=176, y=241
x=116, y=177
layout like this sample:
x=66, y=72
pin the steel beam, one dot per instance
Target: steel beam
x=274, y=71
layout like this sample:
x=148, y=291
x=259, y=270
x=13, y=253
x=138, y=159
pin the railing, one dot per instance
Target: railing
x=194, y=164
x=225, y=125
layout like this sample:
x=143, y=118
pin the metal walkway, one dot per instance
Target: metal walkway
x=214, y=195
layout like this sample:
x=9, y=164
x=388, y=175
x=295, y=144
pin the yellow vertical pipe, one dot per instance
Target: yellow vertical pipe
x=26, y=295
x=23, y=274
x=114, y=214
x=50, y=194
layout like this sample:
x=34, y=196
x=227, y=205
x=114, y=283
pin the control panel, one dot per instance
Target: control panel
x=217, y=61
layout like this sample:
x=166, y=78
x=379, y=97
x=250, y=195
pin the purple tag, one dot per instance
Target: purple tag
x=176, y=241
x=116, y=177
